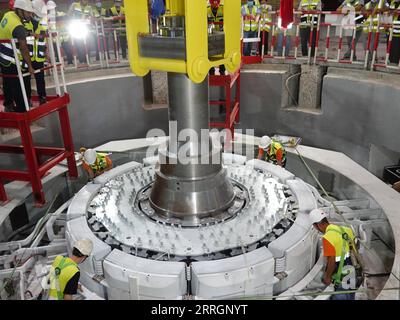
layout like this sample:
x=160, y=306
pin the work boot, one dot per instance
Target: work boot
x=42, y=100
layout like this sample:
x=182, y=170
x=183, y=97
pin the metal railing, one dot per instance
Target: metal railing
x=326, y=39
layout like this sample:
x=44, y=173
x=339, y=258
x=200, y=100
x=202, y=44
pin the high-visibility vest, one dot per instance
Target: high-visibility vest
x=61, y=22
x=374, y=18
x=218, y=17
x=270, y=154
x=359, y=19
x=37, y=40
x=340, y=238
x=308, y=19
x=100, y=165
x=97, y=14
x=395, y=5
x=7, y=25
x=62, y=270
x=81, y=13
x=250, y=25
x=266, y=19
x=120, y=23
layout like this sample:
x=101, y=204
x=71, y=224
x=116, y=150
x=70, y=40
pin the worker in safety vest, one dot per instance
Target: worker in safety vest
x=12, y=27
x=394, y=55
x=65, y=274
x=306, y=21
x=80, y=13
x=95, y=163
x=271, y=151
x=215, y=15
x=98, y=11
x=337, y=242
x=251, y=17
x=265, y=20
x=58, y=21
x=347, y=7
x=375, y=8
x=118, y=10
x=37, y=32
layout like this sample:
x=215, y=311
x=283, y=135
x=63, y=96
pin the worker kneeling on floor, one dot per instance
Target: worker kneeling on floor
x=95, y=163
x=65, y=274
x=272, y=151
x=338, y=242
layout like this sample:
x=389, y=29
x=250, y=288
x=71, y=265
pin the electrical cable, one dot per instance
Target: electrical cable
x=16, y=265
x=338, y=212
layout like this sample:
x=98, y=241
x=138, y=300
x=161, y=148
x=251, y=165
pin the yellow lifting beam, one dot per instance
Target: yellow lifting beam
x=197, y=64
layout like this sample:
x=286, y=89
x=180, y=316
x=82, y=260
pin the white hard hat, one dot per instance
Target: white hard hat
x=39, y=8
x=23, y=5
x=265, y=141
x=51, y=5
x=90, y=156
x=85, y=246
x=317, y=215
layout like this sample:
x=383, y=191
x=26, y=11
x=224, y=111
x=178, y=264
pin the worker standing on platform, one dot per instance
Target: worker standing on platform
x=251, y=17
x=80, y=11
x=12, y=27
x=65, y=274
x=306, y=21
x=265, y=20
x=98, y=12
x=374, y=8
x=118, y=10
x=215, y=16
x=394, y=55
x=57, y=22
x=356, y=6
x=95, y=163
x=337, y=243
x=37, y=31
x=271, y=151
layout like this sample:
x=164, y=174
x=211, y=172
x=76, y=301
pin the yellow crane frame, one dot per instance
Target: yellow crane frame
x=197, y=64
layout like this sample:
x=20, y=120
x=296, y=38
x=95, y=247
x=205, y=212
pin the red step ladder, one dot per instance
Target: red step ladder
x=232, y=105
x=36, y=167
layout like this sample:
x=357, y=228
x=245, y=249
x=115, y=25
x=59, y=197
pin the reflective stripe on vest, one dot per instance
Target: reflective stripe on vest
x=40, y=43
x=307, y=19
x=265, y=20
x=62, y=270
x=8, y=24
x=250, y=25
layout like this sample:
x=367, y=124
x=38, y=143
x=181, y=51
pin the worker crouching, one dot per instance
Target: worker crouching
x=338, y=242
x=65, y=274
x=95, y=163
x=272, y=151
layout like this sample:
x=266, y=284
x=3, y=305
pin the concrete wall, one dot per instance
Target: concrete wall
x=357, y=111
x=359, y=115
x=103, y=110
